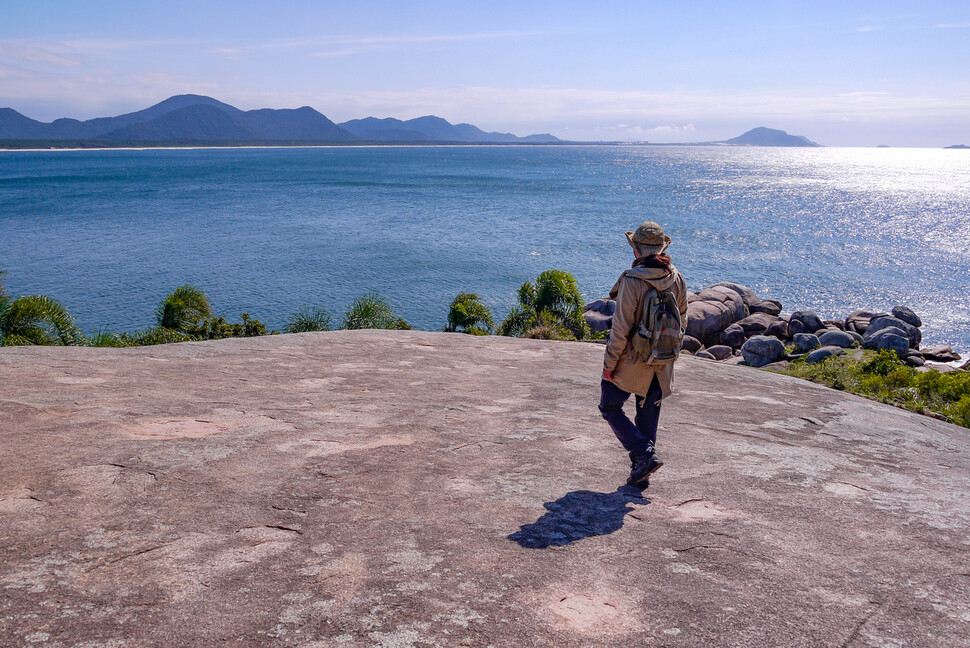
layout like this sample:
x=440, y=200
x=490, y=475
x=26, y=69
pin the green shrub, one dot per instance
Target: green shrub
x=468, y=314
x=183, y=307
x=155, y=335
x=553, y=302
x=217, y=328
x=884, y=377
x=884, y=363
x=371, y=311
x=35, y=319
x=308, y=319
x=105, y=338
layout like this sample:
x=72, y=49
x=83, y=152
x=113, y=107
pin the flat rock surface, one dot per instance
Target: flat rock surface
x=409, y=489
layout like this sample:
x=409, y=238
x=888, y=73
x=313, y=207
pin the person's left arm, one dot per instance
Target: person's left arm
x=623, y=317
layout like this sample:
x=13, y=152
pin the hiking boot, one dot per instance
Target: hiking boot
x=643, y=467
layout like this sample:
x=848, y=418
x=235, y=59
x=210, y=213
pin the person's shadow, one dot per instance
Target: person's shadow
x=578, y=515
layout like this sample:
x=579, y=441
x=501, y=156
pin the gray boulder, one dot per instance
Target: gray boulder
x=778, y=329
x=599, y=314
x=888, y=338
x=605, y=306
x=809, y=320
x=805, y=342
x=691, y=344
x=940, y=354
x=858, y=320
x=733, y=336
x=598, y=322
x=769, y=306
x=839, y=339
x=704, y=354
x=855, y=336
x=906, y=314
x=720, y=351
x=833, y=325
x=879, y=323
x=761, y=350
x=757, y=323
x=750, y=299
x=825, y=352
x=715, y=309
x=691, y=297
x=914, y=360
x=795, y=327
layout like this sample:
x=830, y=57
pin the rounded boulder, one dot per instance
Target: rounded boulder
x=911, y=332
x=778, y=329
x=715, y=309
x=761, y=350
x=906, y=314
x=838, y=339
x=733, y=336
x=767, y=306
x=747, y=295
x=825, y=352
x=720, y=351
x=890, y=338
x=809, y=320
x=757, y=323
x=805, y=342
x=858, y=320
x=691, y=344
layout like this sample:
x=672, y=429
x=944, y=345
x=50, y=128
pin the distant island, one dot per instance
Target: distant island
x=196, y=120
x=762, y=136
x=957, y=146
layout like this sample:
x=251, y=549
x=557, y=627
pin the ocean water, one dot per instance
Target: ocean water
x=264, y=231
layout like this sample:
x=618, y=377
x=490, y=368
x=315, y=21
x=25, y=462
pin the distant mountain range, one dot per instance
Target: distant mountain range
x=432, y=129
x=187, y=120
x=194, y=119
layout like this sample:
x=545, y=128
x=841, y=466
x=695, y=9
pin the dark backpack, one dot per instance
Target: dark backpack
x=659, y=333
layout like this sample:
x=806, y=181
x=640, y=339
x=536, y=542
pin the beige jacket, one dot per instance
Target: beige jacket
x=629, y=374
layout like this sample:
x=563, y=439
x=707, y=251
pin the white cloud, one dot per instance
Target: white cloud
x=870, y=28
x=230, y=53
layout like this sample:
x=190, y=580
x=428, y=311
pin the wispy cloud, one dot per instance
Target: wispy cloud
x=870, y=28
x=231, y=53
x=337, y=46
x=359, y=45
x=34, y=54
x=952, y=25
x=435, y=38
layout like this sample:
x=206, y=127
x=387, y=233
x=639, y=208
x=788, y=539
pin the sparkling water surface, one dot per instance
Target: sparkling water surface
x=264, y=231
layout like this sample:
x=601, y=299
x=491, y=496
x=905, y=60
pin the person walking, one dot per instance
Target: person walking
x=624, y=372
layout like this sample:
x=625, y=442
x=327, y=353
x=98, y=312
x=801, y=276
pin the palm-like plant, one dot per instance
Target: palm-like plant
x=182, y=308
x=551, y=308
x=371, y=311
x=469, y=315
x=35, y=319
x=308, y=319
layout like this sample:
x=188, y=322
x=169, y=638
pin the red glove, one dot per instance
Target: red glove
x=608, y=374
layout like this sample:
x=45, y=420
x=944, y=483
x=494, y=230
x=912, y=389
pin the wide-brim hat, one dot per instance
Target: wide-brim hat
x=648, y=239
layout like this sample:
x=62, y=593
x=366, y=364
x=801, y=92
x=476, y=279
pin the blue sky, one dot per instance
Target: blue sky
x=842, y=73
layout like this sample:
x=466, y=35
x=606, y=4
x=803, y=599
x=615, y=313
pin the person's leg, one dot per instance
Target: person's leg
x=648, y=415
x=611, y=407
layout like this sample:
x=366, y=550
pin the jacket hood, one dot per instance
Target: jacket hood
x=659, y=278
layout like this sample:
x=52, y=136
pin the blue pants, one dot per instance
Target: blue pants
x=640, y=435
